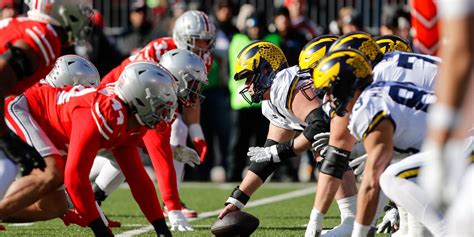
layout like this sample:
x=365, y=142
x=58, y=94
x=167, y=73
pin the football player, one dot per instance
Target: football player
x=379, y=113
x=190, y=72
x=82, y=120
x=26, y=191
x=29, y=47
x=195, y=32
x=446, y=176
x=291, y=105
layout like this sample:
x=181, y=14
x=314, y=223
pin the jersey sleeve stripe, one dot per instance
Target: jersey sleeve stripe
x=46, y=42
x=39, y=44
x=99, y=126
x=409, y=173
x=51, y=28
x=97, y=110
x=16, y=123
x=289, y=97
x=375, y=121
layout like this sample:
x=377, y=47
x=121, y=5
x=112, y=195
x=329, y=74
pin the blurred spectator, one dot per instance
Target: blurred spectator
x=215, y=109
x=98, y=48
x=167, y=23
x=396, y=21
x=8, y=8
x=245, y=12
x=140, y=31
x=351, y=21
x=249, y=126
x=300, y=21
x=291, y=40
x=223, y=13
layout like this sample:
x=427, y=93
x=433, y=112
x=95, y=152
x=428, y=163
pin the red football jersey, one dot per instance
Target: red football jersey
x=151, y=52
x=83, y=120
x=40, y=36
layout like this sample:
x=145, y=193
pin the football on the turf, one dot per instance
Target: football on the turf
x=237, y=223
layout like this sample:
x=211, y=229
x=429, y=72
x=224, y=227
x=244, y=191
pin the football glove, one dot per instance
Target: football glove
x=391, y=220
x=263, y=154
x=321, y=141
x=178, y=221
x=25, y=156
x=186, y=155
x=358, y=164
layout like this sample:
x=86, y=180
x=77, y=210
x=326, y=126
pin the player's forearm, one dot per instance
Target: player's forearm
x=3, y=126
x=192, y=114
x=458, y=57
x=301, y=144
x=144, y=193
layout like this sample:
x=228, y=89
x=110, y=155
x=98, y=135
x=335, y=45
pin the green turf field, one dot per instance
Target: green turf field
x=282, y=217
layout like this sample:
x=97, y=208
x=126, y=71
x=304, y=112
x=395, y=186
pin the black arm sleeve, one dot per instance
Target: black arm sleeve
x=18, y=61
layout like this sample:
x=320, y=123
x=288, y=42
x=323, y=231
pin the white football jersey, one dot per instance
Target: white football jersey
x=278, y=109
x=418, y=69
x=403, y=103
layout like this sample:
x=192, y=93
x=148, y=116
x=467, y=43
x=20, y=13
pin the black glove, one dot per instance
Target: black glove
x=25, y=156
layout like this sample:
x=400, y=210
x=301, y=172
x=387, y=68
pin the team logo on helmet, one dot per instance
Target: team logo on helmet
x=360, y=41
x=390, y=43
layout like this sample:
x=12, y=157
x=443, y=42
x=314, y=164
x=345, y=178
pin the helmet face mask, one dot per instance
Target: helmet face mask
x=190, y=74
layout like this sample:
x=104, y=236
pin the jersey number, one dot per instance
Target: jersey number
x=410, y=97
x=406, y=60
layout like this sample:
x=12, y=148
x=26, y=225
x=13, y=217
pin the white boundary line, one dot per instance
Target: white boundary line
x=259, y=202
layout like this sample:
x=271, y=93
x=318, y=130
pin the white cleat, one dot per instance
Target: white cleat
x=341, y=230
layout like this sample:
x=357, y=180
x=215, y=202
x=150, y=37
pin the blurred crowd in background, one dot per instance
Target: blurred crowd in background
x=230, y=124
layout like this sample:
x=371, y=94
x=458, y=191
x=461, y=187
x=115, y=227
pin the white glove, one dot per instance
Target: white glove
x=178, y=221
x=358, y=164
x=186, y=155
x=263, y=154
x=390, y=222
x=311, y=230
x=321, y=141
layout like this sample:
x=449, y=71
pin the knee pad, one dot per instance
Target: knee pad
x=336, y=162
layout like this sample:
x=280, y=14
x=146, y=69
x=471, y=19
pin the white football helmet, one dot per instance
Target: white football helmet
x=72, y=15
x=72, y=70
x=192, y=26
x=150, y=91
x=190, y=73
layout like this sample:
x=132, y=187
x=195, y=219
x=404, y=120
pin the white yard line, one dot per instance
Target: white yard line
x=256, y=203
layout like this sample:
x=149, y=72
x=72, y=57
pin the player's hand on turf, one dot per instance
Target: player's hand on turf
x=186, y=155
x=201, y=147
x=390, y=222
x=227, y=209
x=178, y=221
x=263, y=154
x=358, y=164
x=21, y=153
x=321, y=141
x=311, y=230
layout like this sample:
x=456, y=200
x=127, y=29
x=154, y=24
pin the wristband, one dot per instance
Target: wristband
x=238, y=198
x=443, y=117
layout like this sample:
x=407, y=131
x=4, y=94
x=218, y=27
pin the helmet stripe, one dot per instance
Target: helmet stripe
x=206, y=22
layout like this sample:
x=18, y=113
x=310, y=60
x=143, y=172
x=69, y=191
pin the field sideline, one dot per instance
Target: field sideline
x=283, y=209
